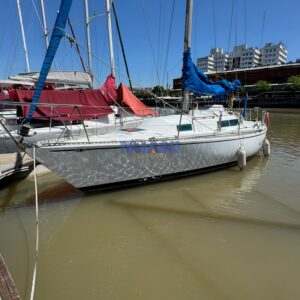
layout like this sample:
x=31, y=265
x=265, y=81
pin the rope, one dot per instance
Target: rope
x=37, y=228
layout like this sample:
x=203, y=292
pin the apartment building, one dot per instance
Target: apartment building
x=206, y=64
x=250, y=58
x=243, y=57
x=220, y=59
x=274, y=54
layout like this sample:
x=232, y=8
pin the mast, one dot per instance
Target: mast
x=187, y=45
x=110, y=39
x=88, y=34
x=45, y=28
x=23, y=36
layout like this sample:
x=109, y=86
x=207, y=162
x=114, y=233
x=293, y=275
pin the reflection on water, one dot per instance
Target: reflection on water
x=223, y=235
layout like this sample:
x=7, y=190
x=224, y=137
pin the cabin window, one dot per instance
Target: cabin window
x=184, y=127
x=227, y=123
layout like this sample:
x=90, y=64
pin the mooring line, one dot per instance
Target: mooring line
x=37, y=228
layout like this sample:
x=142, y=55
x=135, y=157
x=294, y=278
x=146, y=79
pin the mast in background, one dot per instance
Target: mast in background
x=45, y=28
x=110, y=38
x=23, y=36
x=187, y=46
x=88, y=35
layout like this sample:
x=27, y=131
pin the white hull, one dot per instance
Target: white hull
x=91, y=164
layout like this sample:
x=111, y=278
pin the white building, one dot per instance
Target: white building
x=250, y=58
x=220, y=59
x=273, y=54
x=235, y=57
x=206, y=64
x=243, y=57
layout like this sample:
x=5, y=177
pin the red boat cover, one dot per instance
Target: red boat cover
x=109, y=90
x=137, y=106
x=65, y=105
x=71, y=105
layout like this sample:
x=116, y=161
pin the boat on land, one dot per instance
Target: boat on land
x=159, y=147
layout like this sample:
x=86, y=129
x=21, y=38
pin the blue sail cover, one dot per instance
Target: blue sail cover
x=194, y=80
x=57, y=34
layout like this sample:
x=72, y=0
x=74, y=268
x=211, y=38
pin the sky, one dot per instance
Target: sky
x=152, y=31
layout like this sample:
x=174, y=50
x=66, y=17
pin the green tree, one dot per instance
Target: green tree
x=294, y=81
x=263, y=86
x=159, y=90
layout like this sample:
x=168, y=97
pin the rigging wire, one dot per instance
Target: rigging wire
x=121, y=44
x=37, y=13
x=107, y=65
x=214, y=22
x=169, y=41
x=230, y=27
x=236, y=27
x=246, y=20
x=263, y=27
x=149, y=40
x=73, y=41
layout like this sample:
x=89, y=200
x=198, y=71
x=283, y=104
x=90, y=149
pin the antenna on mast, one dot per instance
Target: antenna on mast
x=23, y=36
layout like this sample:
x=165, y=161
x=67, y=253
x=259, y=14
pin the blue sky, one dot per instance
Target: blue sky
x=145, y=26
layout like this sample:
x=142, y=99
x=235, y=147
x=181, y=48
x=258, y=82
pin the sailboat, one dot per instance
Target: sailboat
x=160, y=147
x=67, y=101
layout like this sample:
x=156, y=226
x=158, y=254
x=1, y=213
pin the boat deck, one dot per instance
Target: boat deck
x=162, y=129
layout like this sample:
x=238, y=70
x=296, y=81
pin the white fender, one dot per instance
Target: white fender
x=266, y=147
x=241, y=158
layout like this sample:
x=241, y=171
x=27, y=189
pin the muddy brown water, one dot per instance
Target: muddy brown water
x=222, y=235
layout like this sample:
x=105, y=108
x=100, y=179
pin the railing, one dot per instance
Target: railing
x=252, y=114
x=86, y=125
x=76, y=122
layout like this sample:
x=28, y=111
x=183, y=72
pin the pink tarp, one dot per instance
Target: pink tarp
x=137, y=106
